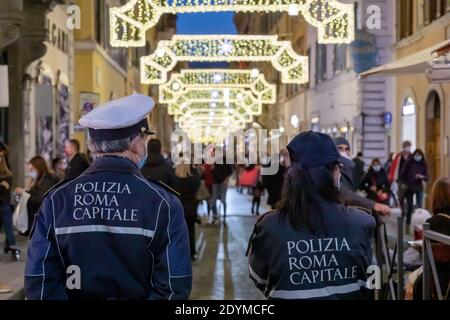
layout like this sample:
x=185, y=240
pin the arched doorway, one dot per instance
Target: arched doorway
x=433, y=137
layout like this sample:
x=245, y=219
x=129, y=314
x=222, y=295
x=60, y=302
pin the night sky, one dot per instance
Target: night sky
x=206, y=23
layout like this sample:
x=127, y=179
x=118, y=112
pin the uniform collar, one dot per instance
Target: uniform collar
x=113, y=164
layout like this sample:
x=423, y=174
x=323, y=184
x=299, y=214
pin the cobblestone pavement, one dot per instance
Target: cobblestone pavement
x=221, y=271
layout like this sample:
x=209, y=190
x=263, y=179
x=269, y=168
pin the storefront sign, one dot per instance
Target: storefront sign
x=4, y=87
x=88, y=101
x=364, y=51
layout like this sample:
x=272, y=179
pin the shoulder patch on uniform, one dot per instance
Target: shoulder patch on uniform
x=360, y=208
x=59, y=184
x=265, y=215
x=164, y=186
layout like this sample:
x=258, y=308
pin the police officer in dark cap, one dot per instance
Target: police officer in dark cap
x=313, y=247
x=124, y=237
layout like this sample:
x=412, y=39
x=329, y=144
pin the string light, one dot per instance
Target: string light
x=241, y=96
x=210, y=48
x=129, y=23
x=225, y=79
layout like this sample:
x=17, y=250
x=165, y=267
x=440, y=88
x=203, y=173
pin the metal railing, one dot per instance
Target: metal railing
x=394, y=264
x=429, y=264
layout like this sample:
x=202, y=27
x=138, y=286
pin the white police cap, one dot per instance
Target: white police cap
x=119, y=119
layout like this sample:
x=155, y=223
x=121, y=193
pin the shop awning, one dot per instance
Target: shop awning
x=418, y=62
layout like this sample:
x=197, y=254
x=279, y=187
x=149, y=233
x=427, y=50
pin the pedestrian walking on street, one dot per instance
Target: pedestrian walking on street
x=414, y=173
x=126, y=235
x=76, y=163
x=395, y=171
x=208, y=180
x=359, y=171
x=274, y=184
x=58, y=168
x=389, y=162
x=221, y=175
x=157, y=168
x=313, y=247
x=375, y=183
x=348, y=188
x=6, y=215
x=41, y=180
x=187, y=184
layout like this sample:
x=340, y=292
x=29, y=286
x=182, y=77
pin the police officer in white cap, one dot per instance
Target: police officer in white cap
x=126, y=236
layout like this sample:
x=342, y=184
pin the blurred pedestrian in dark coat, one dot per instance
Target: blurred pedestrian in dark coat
x=359, y=169
x=187, y=183
x=77, y=164
x=413, y=174
x=157, y=168
x=375, y=183
x=41, y=180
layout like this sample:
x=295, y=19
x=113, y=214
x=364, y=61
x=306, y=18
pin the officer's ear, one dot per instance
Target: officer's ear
x=140, y=138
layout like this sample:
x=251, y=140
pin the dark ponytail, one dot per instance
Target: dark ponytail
x=303, y=190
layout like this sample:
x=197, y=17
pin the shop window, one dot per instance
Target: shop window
x=409, y=121
x=340, y=58
x=405, y=16
x=434, y=9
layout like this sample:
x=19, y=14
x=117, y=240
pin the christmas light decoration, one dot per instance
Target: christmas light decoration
x=129, y=23
x=225, y=79
x=237, y=96
x=213, y=48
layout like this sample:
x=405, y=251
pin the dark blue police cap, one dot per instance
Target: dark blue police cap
x=313, y=149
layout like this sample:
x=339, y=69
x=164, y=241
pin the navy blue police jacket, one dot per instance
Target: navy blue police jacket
x=285, y=263
x=127, y=237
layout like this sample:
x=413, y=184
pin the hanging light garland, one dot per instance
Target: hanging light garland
x=216, y=98
x=219, y=79
x=213, y=48
x=129, y=23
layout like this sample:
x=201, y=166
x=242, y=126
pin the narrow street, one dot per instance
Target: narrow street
x=221, y=269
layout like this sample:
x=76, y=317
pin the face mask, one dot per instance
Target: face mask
x=143, y=161
x=418, y=158
x=377, y=168
x=407, y=149
x=33, y=175
x=345, y=155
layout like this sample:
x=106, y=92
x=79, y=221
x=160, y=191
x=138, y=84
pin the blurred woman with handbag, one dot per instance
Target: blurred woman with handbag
x=414, y=173
x=6, y=215
x=375, y=183
x=41, y=180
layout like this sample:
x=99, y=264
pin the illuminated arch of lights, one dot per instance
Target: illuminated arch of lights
x=200, y=111
x=214, y=99
x=229, y=48
x=129, y=23
x=230, y=79
x=202, y=127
